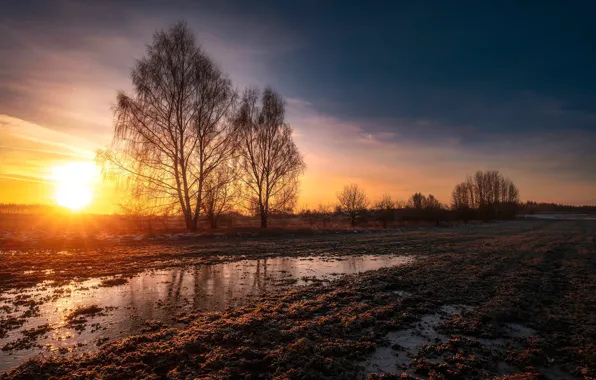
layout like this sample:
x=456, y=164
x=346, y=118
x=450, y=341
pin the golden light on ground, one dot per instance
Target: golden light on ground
x=74, y=184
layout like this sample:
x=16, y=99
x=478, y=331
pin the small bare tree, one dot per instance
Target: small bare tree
x=324, y=214
x=310, y=216
x=353, y=201
x=417, y=201
x=270, y=162
x=431, y=203
x=172, y=131
x=385, y=209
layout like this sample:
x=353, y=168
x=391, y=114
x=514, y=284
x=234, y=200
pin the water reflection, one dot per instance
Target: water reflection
x=159, y=295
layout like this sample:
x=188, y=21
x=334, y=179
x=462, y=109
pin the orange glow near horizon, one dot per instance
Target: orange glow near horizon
x=74, y=184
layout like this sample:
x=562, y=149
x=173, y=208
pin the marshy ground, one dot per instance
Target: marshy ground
x=509, y=300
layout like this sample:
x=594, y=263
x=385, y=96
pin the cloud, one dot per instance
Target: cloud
x=18, y=129
x=546, y=165
x=17, y=177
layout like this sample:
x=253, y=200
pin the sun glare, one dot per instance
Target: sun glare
x=74, y=184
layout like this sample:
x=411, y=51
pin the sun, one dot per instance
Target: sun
x=74, y=184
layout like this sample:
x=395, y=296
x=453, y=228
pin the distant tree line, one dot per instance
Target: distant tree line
x=484, y=196
x=26, y=209
x=531, y=207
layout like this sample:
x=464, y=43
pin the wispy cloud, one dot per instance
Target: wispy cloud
x=11, y=127
x=17, y=177
x=551, y=165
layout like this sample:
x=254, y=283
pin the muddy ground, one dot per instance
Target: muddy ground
x=511, y=300
x=28, y=267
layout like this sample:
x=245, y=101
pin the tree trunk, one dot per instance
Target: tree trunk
x=264, y=211
x=213, y=220
x=191, y=224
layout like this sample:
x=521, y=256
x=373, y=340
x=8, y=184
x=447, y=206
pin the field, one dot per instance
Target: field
x=509, y=300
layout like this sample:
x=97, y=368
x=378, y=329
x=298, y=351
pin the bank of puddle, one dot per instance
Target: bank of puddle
x=84, y=315
x=402, y=349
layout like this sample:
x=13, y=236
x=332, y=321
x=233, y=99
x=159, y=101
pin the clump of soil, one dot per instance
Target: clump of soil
x=114, y=282
x=81, y=311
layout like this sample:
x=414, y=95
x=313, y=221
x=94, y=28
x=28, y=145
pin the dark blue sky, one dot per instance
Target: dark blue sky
x=468, y=63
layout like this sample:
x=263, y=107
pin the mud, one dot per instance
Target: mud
x=515, y=300
x=81, y=316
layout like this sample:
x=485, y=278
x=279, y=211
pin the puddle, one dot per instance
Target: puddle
x=404, y=344
x=126, y=304
x=519, y=331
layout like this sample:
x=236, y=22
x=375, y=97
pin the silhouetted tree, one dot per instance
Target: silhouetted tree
x=489, y=192
x=353, y=201
x=324, y=214
x=172, y=131
x=270, y=162
x=309, y=215
x=385, y=209
x=463, y=196
x=431, y=203
x=417, y=201
x=425, y=207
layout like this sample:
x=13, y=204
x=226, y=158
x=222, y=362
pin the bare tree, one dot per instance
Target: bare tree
x=464, y=196
x=270, y=162
x=324, y=214
x=173, y=130
x=431, y=203
x=417, y=201
x=353, y=201
x=488, y=192
x=309, y=215
x=385, y=208
x=222, y=192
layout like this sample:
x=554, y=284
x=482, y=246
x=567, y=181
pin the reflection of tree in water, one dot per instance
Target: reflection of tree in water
x=350, y=264
x=218, y=286
x=141, y=301
x=260, y=276
x=210, y=286
x=175, y=285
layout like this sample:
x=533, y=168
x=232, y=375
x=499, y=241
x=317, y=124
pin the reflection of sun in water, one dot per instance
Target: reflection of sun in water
x=74, y=182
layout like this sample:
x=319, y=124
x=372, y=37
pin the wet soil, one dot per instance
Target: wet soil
x=28, y=267
x=513, y=300
x=81, y=316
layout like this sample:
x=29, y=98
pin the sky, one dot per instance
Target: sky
x=398, y=97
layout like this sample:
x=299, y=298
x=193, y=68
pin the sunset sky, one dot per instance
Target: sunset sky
x=397, y=98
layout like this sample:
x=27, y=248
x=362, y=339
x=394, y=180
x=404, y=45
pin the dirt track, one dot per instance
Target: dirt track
x=539, y=276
